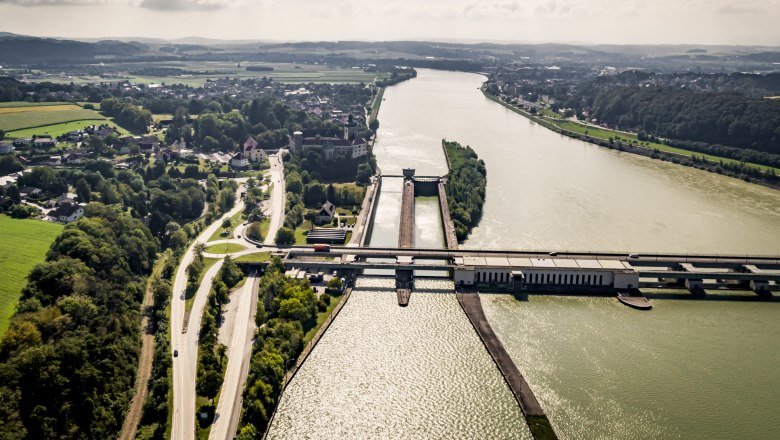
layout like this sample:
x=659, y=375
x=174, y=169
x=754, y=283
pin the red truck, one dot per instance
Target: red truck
x=321, y=248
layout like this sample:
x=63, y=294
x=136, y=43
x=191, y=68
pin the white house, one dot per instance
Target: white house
x=326, y=213
x=239, y=160
x=253, y=152
x=68, y=213
x=6, y=147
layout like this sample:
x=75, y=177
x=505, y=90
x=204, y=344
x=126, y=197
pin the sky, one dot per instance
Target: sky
x=731, y=22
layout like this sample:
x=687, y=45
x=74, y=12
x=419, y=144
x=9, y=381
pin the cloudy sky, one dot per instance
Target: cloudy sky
x=581, y=21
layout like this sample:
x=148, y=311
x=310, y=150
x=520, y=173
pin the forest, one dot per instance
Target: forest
x=68, y=361
x=465, y=188
x=716, y=118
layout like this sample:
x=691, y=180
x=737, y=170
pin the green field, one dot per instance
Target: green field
x=17, y=118
x=23, y=243
x=199, y=72
x=28, y=104
x=258, y=257
x=63, y=128
x=224, y=248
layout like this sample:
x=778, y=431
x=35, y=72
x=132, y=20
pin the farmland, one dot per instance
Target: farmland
x=25, y=119
x=196, y=74
x=23, y=243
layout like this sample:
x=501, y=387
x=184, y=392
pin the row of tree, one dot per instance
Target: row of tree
x=287, y=307
x=465, y=188
x=130, y=116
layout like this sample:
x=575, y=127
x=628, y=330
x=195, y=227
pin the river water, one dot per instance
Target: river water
x=686, y=369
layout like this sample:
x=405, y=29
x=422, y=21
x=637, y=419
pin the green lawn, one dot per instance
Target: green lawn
x=226, y=248
x=31, y=104
x=23, y=243
x=190, y=298
x=56, y=130
x=258, y=257
x=300, y=237
x=234, y=221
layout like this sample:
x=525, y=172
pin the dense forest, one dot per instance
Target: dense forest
x=725, y=119
x=465, y=187
x=68, y=361
x=127, y=115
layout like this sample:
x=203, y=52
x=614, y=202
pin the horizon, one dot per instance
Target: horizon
x=575, y=22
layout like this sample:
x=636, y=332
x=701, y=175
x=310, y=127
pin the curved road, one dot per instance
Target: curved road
x=185, y=339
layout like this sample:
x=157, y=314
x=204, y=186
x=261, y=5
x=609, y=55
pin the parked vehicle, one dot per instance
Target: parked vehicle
x=321, y=248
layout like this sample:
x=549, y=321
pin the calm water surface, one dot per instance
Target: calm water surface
x=687, y=369
x=383, y=371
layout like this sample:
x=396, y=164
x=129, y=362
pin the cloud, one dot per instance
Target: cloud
x=54, y=2
x=184, y=5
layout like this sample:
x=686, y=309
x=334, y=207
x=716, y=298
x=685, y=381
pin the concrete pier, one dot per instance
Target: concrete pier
x=534, y=414
x=450, y=238
x=406, y=230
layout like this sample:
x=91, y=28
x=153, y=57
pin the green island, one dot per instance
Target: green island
x=465, y=188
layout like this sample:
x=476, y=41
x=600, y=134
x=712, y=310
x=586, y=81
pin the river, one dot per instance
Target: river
x=687, y=369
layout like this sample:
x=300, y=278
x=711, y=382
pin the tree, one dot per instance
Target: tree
x=364, y=173
x=285, y=236
x=9, y=163
x=226, y=224
x=373, y=125
x=254, y=231
x=334, y=283
x=83, y=191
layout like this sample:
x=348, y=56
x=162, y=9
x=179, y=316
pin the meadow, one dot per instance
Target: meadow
x=25, y=119
x=23, y=244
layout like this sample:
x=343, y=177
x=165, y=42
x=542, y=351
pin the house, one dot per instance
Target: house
x=22, y=142
x=6, y=147
x=332, y=147
x=326, y=213
x=76, y=136
x=239, y=160
x=66, y=199
x=29, y=191
x=73, y=158
x=105, y=131
x=44, y=142
x=67, y=213
x=148, y=143
x=253, y=152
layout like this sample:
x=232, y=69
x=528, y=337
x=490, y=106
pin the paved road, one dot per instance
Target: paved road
x=185, y=365
x=240, y=345
x=277, y=197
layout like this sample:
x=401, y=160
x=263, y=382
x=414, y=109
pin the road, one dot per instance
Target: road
x=185, y=340
x=239, y=352
x=277, y=196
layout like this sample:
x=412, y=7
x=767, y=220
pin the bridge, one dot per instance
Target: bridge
x=585, y=272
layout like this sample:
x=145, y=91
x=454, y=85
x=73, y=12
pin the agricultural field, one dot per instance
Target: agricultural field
x=23, y=243
x=22, y=117
x=196, y=74
x=25, y=119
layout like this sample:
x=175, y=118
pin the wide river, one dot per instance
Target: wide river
x=687, y=369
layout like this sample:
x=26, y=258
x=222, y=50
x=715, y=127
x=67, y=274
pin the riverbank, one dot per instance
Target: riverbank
x=751, y=173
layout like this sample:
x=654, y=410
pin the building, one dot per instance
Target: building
x=556, y=274
x=239, y=160
x=326, y=213
x=6, y=147
x=332, y=147
x=67, y=213
x=148, y=143
x=253, y=152
x=44, y=142
x=29, y=191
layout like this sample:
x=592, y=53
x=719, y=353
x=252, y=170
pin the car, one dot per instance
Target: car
x=175, y=353
x=238, y=236
x=633, y=255
x=553, y=254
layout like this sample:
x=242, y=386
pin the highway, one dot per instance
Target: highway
x=277, y=197
x=239, y=352
x=185, y=339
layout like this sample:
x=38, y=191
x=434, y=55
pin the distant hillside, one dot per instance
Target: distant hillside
x=44, y=51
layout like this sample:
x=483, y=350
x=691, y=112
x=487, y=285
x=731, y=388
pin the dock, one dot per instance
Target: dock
x=403, y=296
x=406, y=230
x=634, y=299
x=534, y=414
